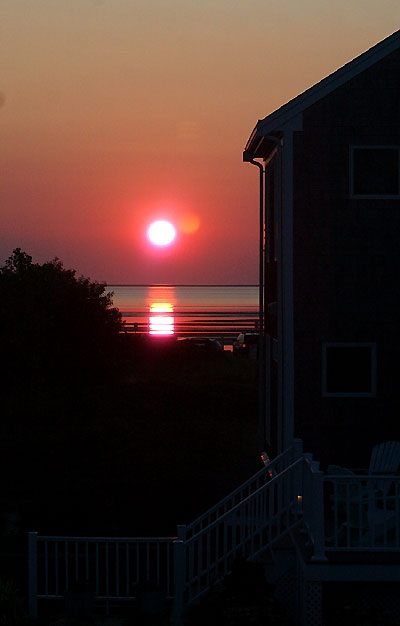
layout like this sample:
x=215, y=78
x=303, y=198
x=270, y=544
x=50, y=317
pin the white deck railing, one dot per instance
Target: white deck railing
x=340, y=512
x=111, y=567
x=245, y=522
x=362, y=512
x=350, y=512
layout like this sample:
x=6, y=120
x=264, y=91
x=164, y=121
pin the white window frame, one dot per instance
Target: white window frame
x=340, y=394
x=384, y=196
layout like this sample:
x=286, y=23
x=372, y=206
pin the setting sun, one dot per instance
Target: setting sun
x=161, y=233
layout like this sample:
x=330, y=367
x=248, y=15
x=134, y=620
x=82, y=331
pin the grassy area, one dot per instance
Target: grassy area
x=177, y=434
x=195, y=427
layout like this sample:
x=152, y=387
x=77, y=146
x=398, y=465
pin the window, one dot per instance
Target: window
x=374, y=172
x=349, y=369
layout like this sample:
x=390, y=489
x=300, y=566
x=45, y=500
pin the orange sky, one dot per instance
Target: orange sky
x=115, y=112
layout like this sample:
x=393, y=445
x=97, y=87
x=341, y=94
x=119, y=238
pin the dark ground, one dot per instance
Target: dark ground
x=175, y=435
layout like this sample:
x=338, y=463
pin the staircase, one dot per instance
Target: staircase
x=245, y=523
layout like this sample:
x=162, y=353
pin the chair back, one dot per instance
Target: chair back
x=385, y=458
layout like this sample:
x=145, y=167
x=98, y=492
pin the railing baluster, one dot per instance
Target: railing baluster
x=87, y=560
x=225, y=544
x=117, y=568
x=348, y=529
x=147, y=562
x=66, y=566
x=397, y=516
x=158, y=563
x=76, y=561
x=46, y=568
x=127, y=587
x=253, y=523
x=97, y=569
x=33, y=574
x=137, y=563
x=168, y=577
x=179, y=576
x=56, y=565
x=269, y=512
x=107, y=569
x=208, y=557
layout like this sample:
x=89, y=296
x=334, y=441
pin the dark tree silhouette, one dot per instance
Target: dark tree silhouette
x=62, y=355
x=54, y=327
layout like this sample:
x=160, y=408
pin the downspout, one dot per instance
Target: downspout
x=247, y=157
x=261, y=341
x=276, y=444
x=261, y=243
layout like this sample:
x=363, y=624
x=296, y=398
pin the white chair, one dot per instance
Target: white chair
x=366, y=508
x=385, y=459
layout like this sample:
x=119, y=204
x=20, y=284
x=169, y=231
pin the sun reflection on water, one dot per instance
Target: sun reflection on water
x=161, y=322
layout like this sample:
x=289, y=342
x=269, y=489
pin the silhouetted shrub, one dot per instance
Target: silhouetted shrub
x=62, y=352
x=11, y=604
x=55, y=328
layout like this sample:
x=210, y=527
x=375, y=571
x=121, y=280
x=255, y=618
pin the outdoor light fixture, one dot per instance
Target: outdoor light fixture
x=265, y=458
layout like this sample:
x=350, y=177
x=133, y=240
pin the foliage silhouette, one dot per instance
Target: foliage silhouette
x=63, y=352
x=54, y=326
x=11, y=604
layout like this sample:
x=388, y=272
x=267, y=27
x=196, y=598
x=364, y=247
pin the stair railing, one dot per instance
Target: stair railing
x=276, y=466
x=272, y=507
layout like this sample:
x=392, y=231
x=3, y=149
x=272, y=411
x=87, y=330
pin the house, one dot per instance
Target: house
x=330, y=188
x=329, y=175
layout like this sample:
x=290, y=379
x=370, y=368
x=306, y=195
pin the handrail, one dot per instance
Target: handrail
x=247, y=528
x=236, y=508
x=253, y=480
x=105, y=539
x=362, y=477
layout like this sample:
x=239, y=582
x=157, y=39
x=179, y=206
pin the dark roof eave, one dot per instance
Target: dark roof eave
x=259, y=145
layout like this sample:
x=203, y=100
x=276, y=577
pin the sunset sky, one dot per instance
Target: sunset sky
x=114, y=113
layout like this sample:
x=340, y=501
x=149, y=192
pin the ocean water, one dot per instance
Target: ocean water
x=186, y=309
x=186, y=298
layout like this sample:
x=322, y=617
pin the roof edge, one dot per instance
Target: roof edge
x=282, y=116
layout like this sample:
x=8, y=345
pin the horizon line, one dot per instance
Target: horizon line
x=182, y=285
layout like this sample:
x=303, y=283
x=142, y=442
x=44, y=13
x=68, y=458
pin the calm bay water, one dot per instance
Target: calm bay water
x=169, y=309
x=186, y=298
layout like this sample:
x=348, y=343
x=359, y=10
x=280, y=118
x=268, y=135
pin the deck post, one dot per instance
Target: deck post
x=297, y=448
x=179, y=576
x=32, y=580
x=317, y=518
x=298, y=487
